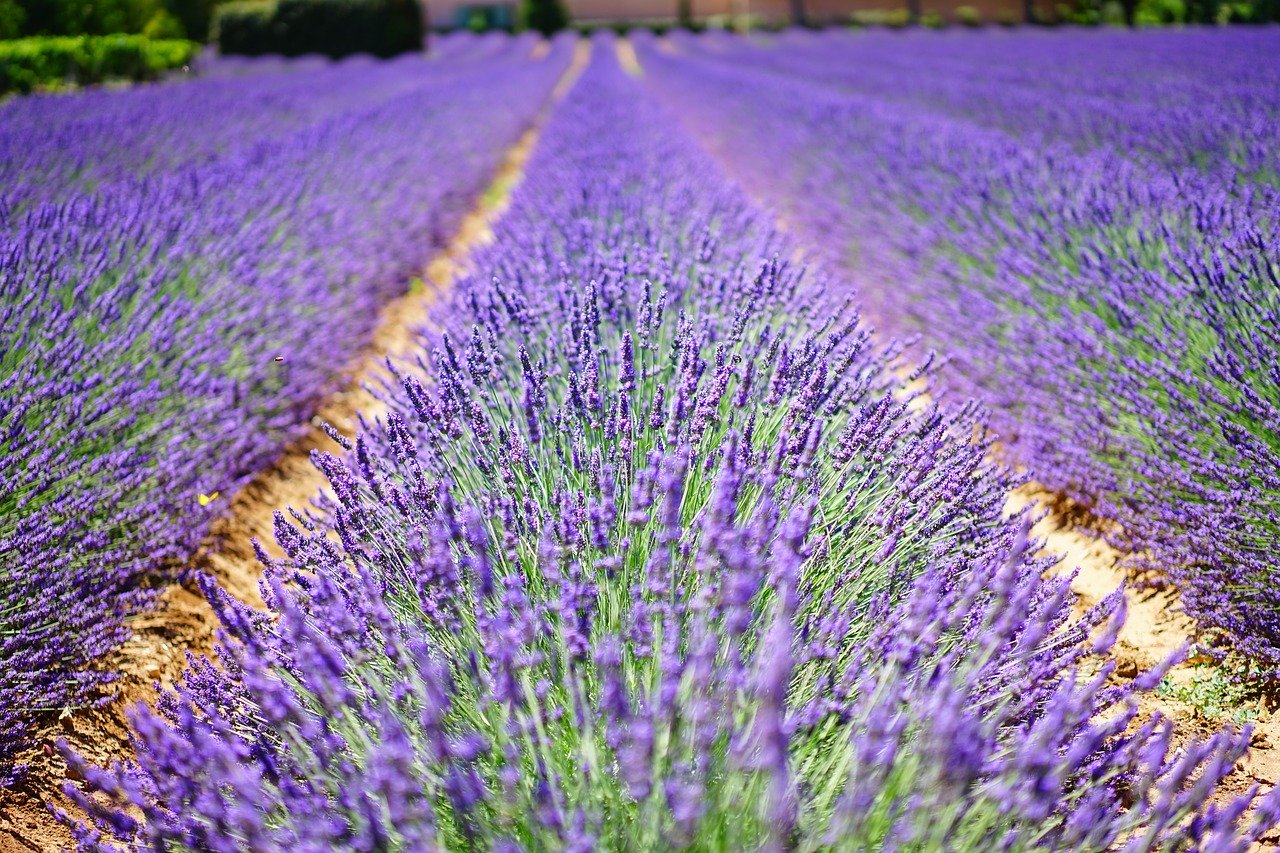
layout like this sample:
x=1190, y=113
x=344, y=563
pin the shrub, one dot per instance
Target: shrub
x=335, y=28
x=12, y=17
x=163, y=25
x=339, y=28
x=543, y=16
x=195, y=16
x=933, y=21
x=244, y=28
x=968, y=16
x=30, y=63
x=153, y=18
x=893, y=18
x=1158, y=12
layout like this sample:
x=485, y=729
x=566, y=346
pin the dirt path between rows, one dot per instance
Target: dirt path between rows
x=182, y=622
x=1155, y=626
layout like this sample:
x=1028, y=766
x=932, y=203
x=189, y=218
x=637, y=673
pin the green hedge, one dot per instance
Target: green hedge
x=543, y=16
x=244, y=28
x=335, y=28
x=52, y=61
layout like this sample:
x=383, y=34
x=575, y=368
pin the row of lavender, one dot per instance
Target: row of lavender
x=1099, y=256
x=654, y=551
x=182, y=268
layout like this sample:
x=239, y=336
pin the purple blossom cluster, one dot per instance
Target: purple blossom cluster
x=654, y=549
x=1087, y=225
x=182, y=268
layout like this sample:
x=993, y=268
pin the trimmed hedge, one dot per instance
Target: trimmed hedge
x=51, y=61
x=335, y=28
x=544, y=16
x=244, y=28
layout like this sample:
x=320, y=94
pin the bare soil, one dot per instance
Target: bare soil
x=1155, y=628
x=627, y=58
x=183, y=622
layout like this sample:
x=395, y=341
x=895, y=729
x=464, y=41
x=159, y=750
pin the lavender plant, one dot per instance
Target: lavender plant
x=1096, y=255
x=174, y=288
x=653, y=550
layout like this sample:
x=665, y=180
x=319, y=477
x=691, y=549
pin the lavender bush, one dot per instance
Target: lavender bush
x=1086, y=226
x=654, y=550
x=180, y=269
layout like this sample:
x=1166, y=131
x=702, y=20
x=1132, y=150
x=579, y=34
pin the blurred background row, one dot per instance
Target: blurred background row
x=63, y=40
x=196, y=19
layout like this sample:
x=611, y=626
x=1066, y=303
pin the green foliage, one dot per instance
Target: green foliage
x=968, y=16
x=544, y=16
x=1083, y=13
x=154, y=18
x=244, y=27
x=50, y=62
x=163, y=25
x=335, y=28
x=933, y=21
x=1258, y=12
x=894, y=18
x=1165, y=12
x=87, y=17
x=1156, y=12
x=1221, y=691
x=12, y=18
x=342, y=27
x=194, y=16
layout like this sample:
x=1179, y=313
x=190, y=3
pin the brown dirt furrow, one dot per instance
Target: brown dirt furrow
x=182, y=622
x=627, y=57
x=1155, y=628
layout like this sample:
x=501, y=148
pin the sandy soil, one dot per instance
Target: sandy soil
x=627, y=58
x=1156, y=627
x=183, y=621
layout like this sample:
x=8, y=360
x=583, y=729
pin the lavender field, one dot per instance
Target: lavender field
x=680, y=512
